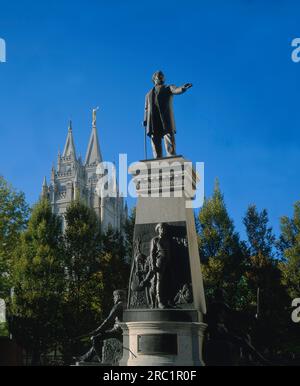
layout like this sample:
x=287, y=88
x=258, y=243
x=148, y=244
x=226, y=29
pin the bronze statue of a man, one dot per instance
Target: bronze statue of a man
x=110, y=328
x=159, y=117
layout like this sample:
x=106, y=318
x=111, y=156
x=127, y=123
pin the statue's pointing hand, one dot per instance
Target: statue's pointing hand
x=187, y=86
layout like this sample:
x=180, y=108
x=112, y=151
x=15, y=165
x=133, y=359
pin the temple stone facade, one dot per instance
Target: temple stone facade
x=74, y=179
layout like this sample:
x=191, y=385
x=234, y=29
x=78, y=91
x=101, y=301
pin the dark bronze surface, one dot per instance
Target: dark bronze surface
x=159, y=119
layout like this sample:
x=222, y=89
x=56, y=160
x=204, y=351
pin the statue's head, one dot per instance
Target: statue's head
x=119, y=295
x=161, y=229
x=158, y=78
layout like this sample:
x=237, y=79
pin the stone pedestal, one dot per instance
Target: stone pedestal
x=87, y=364
x=111, y=352
x=162, y=338
x=172, y=335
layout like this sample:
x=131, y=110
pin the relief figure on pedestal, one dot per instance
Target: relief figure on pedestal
x=160, y=270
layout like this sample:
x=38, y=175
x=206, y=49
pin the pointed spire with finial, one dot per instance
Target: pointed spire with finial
x=53, y=173
x=45, y=188
x=58, y=160
x=69, y=146
x=93, y=154
x=95, y=116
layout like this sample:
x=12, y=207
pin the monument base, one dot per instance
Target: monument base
x=163, y=325
x=162, y=338
x=87, y=364
x=111, y=354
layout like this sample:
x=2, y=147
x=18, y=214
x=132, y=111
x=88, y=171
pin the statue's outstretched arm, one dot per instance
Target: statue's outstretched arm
x=180, y=90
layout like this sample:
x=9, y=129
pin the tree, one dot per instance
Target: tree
x=13, y=218
x=261, y=268
x=289, y=245
x=212, y=272
x=38, y=282
x=219, y=246
x=115, y=266
x=95, y=266
x=129, y=233
x=83, y=295
x=264, y=278
x=260, y=236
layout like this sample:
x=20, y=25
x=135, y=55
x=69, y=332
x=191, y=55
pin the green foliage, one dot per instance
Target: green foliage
x=261, y=269
x=82, y=241
x=243, y=297
x=248, y=270
x=13, y=218
x=217, y=236
x=95, y=266
x=289, y=244
x=4, y=329
x=219, y=246
x=62, y=284
x=83, y=292
x=129, y=233
x=212, y=272
x=261, y=239
x=114, y=264
x=38, y=281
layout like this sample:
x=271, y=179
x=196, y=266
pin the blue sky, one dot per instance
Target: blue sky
x=240, y=118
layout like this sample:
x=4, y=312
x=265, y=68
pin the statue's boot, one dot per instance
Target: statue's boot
x=160, y=304
x=88, y=356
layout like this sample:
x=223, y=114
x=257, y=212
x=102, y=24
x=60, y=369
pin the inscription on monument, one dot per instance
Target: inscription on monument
x=152, y=344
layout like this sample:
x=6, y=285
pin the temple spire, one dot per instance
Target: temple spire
x=93, y=154
x=69, y=146
x=45, y=188
x=95, y=116
x=53, y=173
